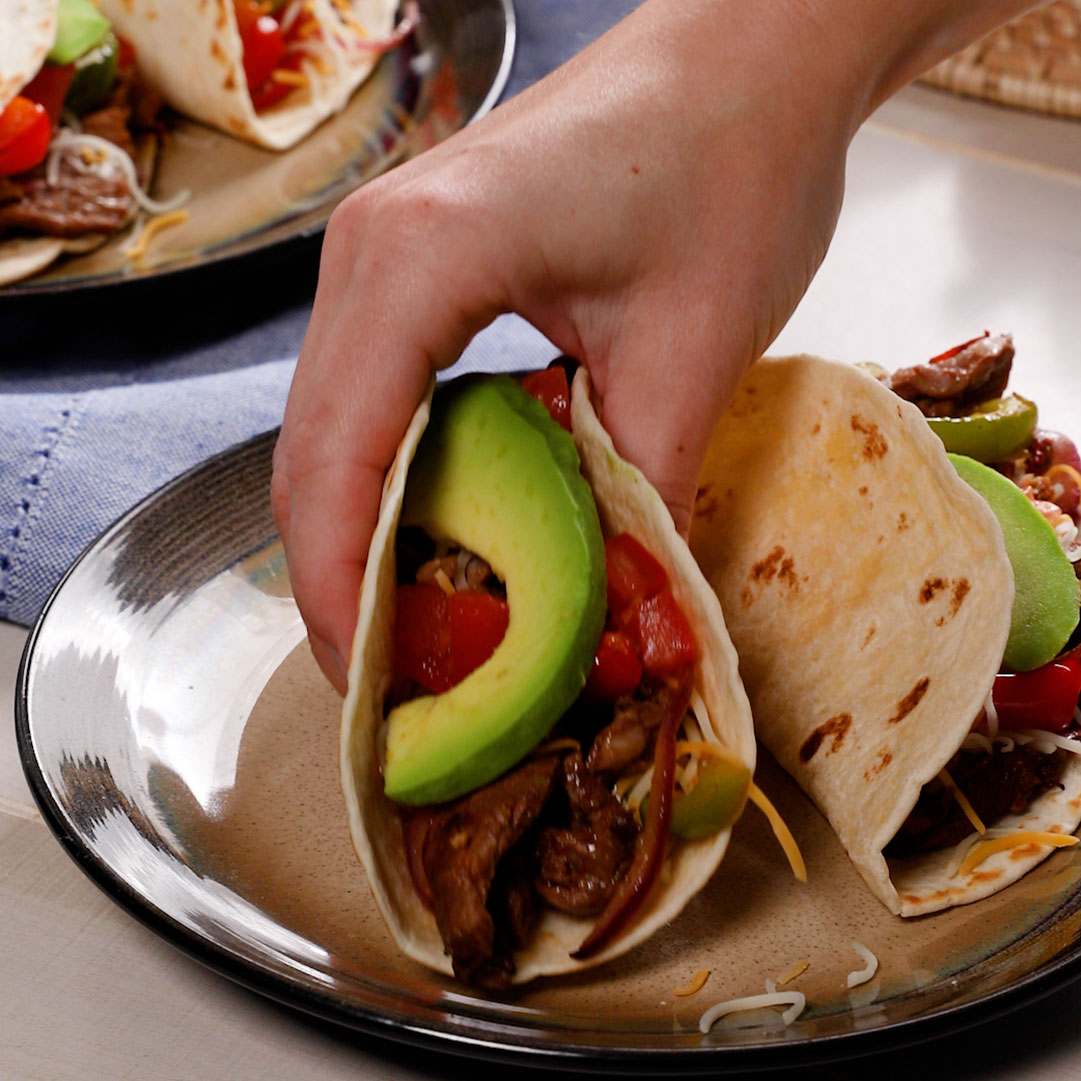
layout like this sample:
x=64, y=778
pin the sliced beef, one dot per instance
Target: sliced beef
x=954, y=385
x=76, y=204
x=629, y=735
x=580, y=863
x=463, y=846
x=996, y=784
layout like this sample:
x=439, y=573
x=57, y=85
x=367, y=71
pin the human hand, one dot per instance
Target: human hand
x=656, y=207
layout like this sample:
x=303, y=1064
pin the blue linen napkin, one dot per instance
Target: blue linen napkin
x=104, y=405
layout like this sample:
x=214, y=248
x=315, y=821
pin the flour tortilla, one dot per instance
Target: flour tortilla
x=27, y=33
x=868, y=593
x=192, y=53
x=625, y=501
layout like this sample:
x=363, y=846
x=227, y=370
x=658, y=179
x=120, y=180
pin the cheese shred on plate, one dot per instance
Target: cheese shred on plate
x=136, y=248
x=870, y=967
x=796, y=1001
x=698, y=981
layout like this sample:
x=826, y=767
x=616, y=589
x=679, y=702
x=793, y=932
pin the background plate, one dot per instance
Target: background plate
x=183, y=747
x=245, y=199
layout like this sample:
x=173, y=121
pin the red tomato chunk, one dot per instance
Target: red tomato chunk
x=633, y=574
x=1044, y=698
x=550, y=388
x=616, y=668
x=440, y=639
x=665, y=642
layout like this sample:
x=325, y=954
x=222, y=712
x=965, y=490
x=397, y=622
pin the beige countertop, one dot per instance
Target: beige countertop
x=959, y=217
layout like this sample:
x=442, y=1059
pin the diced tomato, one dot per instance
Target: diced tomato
x=261, y=39
x=422, y=637
x=663, y=635
x=125, y=57
x=616, y=668
x=633, y=574
x=25, y=133
x=50, y=87
x=270, y=91
x=440, y=639
x=1044, y=698
x=550, y=388
x=478, y=622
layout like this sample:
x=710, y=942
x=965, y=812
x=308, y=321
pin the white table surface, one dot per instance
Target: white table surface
x=959, y=216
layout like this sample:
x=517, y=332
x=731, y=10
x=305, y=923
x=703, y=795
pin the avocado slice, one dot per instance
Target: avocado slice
x=1045, y=601
x=79, y=27
x=496, y=475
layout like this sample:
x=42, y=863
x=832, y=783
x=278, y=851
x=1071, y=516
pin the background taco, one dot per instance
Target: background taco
x=718, y=718
x=868, y=591
x=267, y=73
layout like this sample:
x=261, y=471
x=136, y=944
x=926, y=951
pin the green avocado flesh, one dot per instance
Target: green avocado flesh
x=80, y=26
x=1045, y=602
x=714, y=803
x=496, y=475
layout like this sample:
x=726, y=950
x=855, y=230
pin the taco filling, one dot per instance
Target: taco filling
x=569, y=828
x=545, y=742
x=1023, y=739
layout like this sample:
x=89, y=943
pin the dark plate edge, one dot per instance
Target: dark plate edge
x=716, y=1059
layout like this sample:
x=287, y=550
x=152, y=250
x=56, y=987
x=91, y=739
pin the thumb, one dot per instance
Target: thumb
x=661, y=395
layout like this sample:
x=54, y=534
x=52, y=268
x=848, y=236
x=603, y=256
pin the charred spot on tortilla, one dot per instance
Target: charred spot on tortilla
x=885, y=757
x=874, y=443
x=903, y=523
x=836, y=728
x=910, y=701
x=960, y=590
x=984, y=876
x=931, y=588
x=872, y=630
x=777, y=565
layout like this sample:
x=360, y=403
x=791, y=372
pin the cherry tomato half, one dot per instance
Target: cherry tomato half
x=261, y=38
x=25, y=133
x=1044, y=698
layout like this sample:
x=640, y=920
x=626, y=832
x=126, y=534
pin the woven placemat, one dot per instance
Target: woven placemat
x=1034, y=62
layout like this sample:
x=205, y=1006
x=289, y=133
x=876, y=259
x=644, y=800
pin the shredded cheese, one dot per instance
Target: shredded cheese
x=780, y=831
x=1048, y=741
x=798, y=969
x=870, y=967
x=698, y=981
x=962, y=801
x=442, y=579
x=136, y=248
x=795, y=1000
x=288, y=77
x=985, y=849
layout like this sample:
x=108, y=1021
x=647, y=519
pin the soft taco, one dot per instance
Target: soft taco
x=78, y=136
x=268, y=72
x=623, y=746
x=870, y=593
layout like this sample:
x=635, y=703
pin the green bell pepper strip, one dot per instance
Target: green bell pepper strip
x=997, y=429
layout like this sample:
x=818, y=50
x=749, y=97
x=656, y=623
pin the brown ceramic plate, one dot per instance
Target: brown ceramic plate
x=184, y=749
x=246, y=200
